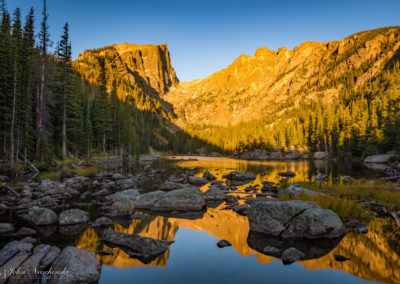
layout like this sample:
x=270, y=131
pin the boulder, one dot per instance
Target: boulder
x=81, y=264
x=102, y=222
x=147, y=200
x=239, y=176
x=6, y=228
x=170, y=185
x=42, y=216
x=223, y=243
x=12, y=248
x=320, y=155
x=184, y=199
x=50, y=187
x=23, y=232
x=292, y=255
x=214, y=194
x=49, y=258
x=131, y=194
x=135, y=245
x=295, y=190
x=321, y=177
x=314, y=223
x=123, y=206
x=273, y=251
x=287, y=174
x=198, y=181
x=380, y=159
x=73, y=216
x=209, y=176
x=294, y=219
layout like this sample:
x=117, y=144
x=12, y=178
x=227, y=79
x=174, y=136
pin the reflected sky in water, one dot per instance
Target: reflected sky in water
x=195, y=258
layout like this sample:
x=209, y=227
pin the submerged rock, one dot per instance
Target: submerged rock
x=223, y=243
x=294, y=219
x=102, y=222
x=339, y=257
x=273, y=251
x=42, y=216
x=81, y=264
x=73, y=216
x=292, y=255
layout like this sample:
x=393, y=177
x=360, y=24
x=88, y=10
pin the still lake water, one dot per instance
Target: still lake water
x=195, y=258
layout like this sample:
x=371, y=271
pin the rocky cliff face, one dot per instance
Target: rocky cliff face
x=270, y=81
x=144, y=69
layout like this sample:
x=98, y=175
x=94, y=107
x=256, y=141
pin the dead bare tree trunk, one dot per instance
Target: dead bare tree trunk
x=13, y=116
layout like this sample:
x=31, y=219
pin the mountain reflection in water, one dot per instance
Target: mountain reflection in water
x=374, y=256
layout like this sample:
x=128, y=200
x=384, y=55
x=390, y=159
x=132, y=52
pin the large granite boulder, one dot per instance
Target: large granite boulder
x=42, y=216
x=294, y=219
x=184, y=199
x=81, y=265
x=73, y=216
x=147, y=200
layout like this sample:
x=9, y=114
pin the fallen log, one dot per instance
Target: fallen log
x=10, y=189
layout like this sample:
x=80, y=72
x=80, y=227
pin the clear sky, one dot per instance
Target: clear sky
x=204, y=36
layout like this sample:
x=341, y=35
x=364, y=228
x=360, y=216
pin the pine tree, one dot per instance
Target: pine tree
x=16, y=58
x=40, y=101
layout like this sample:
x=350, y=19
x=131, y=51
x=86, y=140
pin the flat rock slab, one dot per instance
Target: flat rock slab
x=79, y=266
x=12, y=248
x=13, y=264
x=140, y=246
x=29, y=266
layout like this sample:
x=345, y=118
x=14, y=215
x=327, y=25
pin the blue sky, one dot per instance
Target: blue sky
x=204, y=36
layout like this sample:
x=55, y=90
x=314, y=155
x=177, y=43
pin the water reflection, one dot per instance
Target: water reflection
x=374, y=256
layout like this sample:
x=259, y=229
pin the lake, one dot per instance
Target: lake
x=194, y=257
